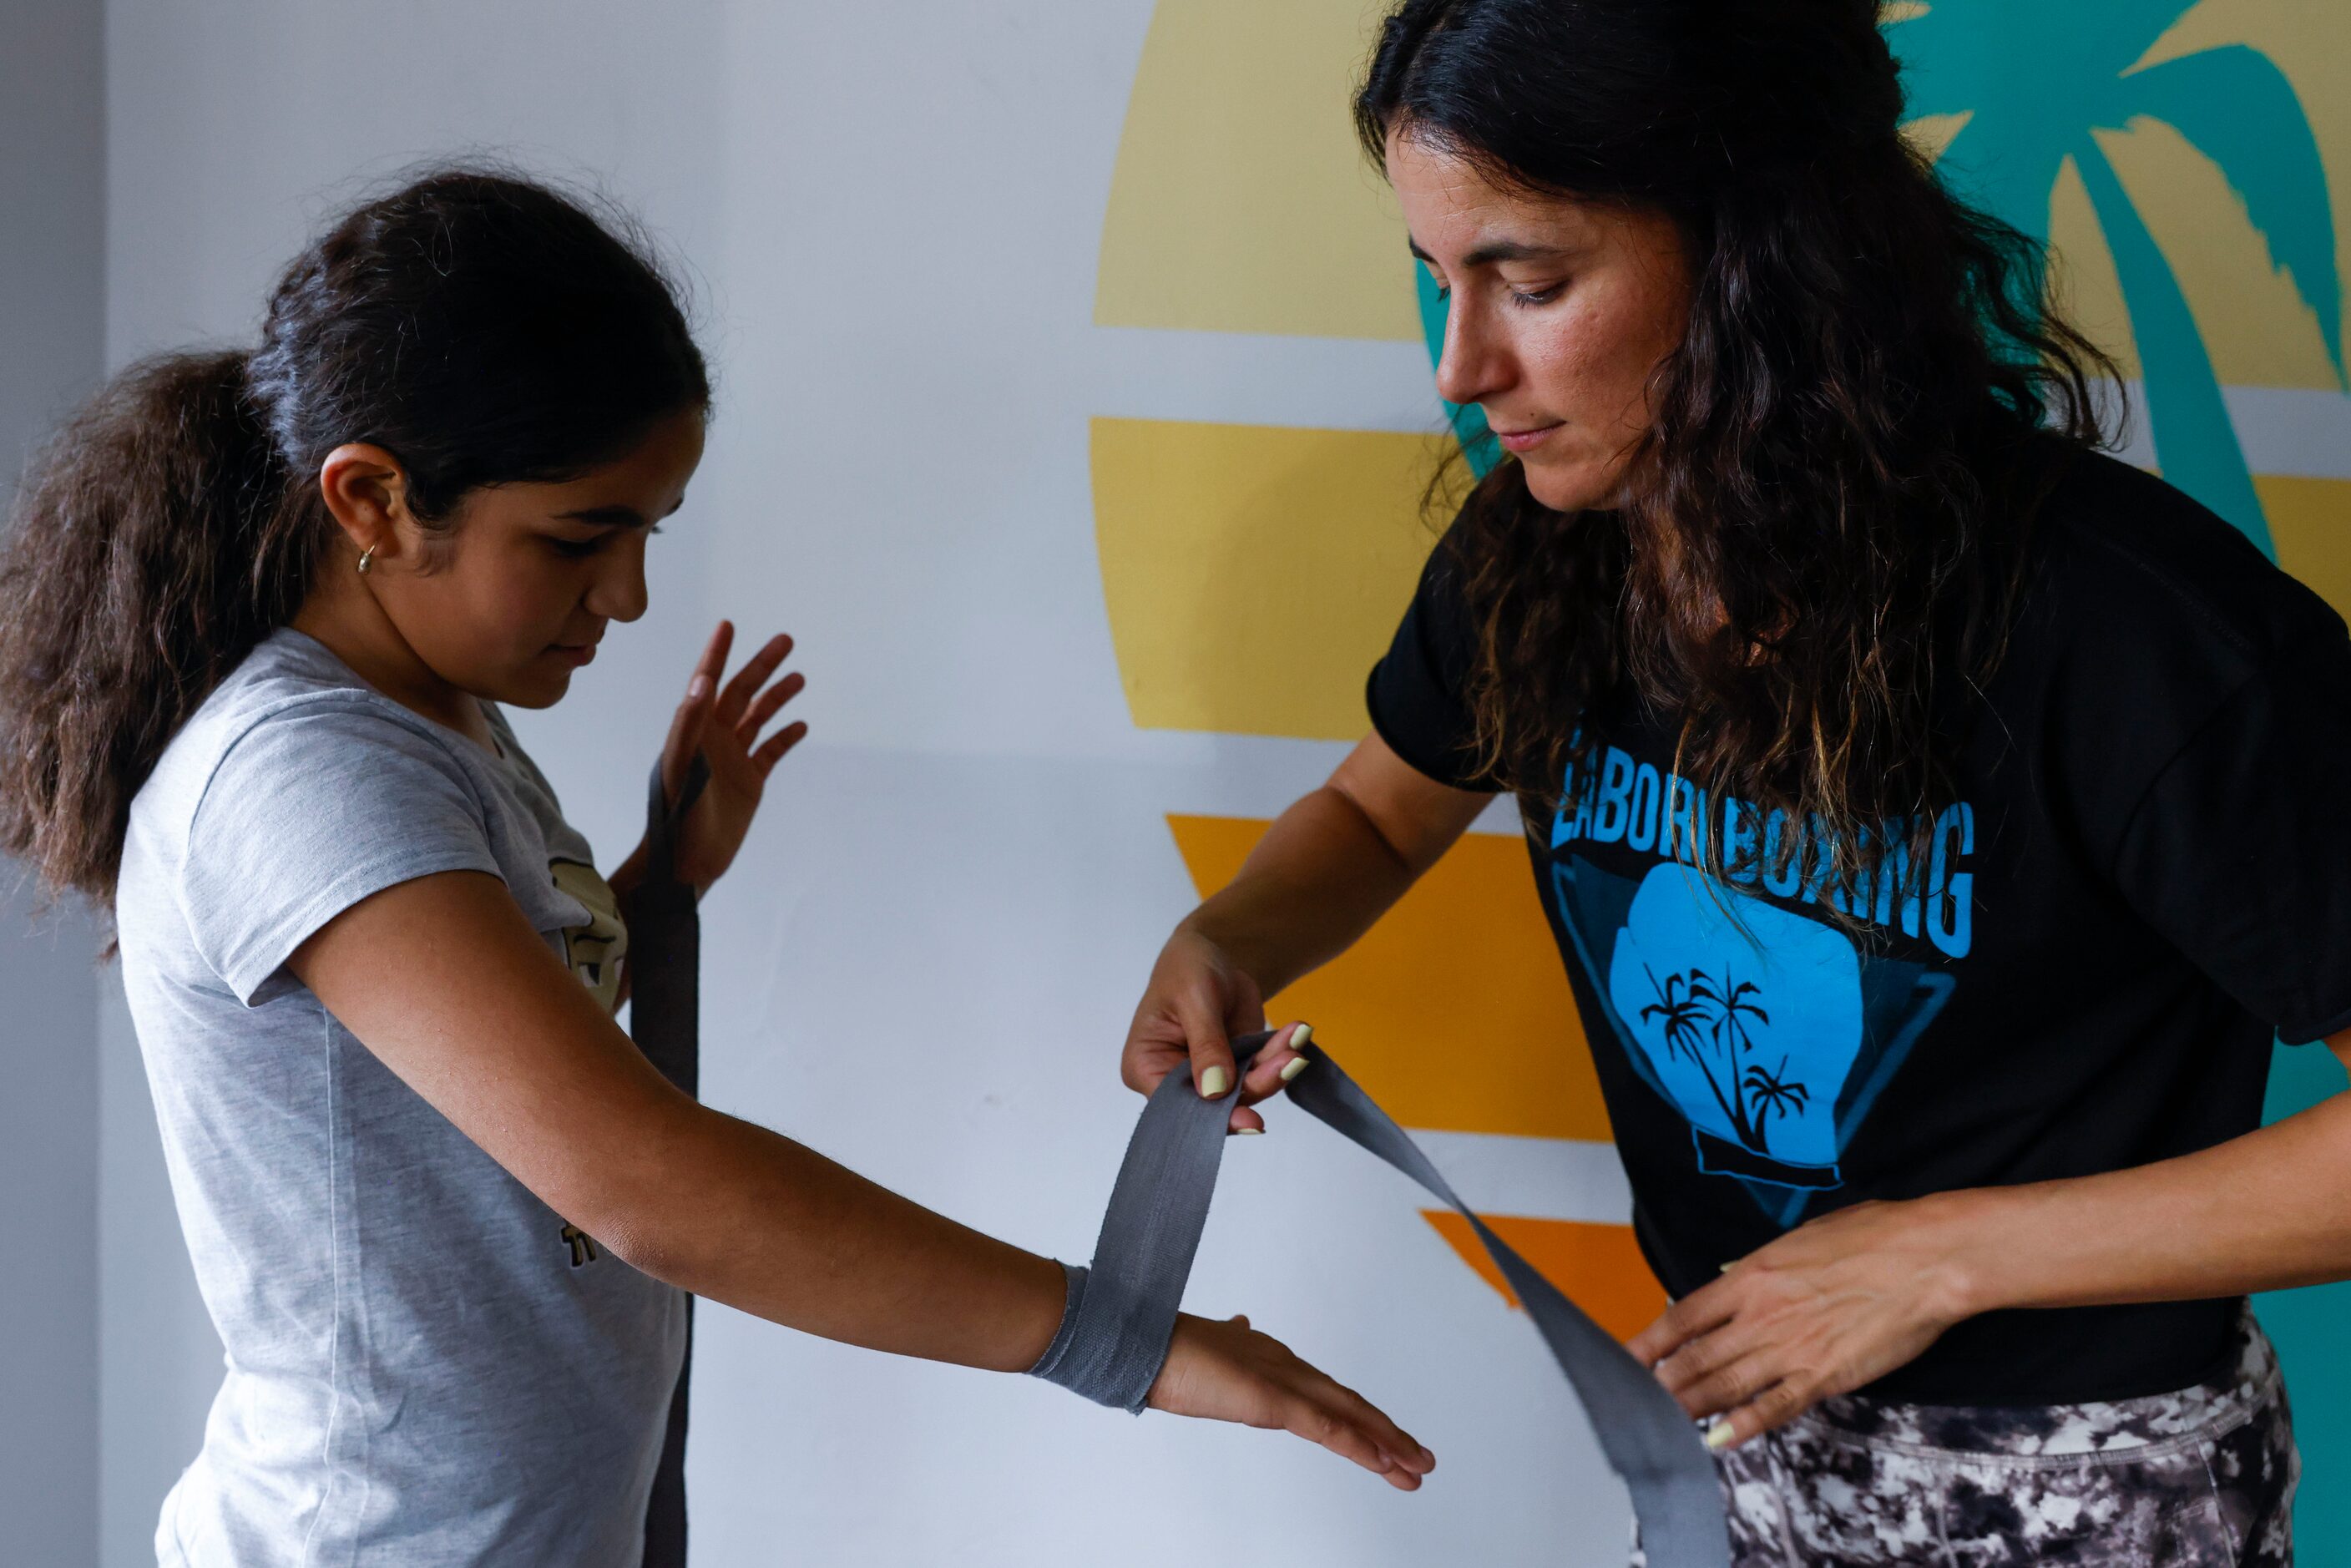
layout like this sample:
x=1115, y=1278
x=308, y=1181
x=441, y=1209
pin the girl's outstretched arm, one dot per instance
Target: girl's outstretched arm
x=443, y=979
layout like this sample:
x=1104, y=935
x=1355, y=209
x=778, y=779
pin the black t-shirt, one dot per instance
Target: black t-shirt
x=2147, y=873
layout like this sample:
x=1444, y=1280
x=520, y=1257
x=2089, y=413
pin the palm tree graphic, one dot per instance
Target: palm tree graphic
x=2036, y=78
x=1706, y=1020
x=1686, y=1003
x=1774, y=1091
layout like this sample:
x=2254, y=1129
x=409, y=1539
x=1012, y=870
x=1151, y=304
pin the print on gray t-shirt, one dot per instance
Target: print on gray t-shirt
x=426, y=1365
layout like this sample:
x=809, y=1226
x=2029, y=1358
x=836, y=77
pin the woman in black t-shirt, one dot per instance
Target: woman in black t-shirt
x=1936, y=817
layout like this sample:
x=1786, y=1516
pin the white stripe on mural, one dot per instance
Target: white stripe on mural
x=1540, y=1178
x=1211, y=775
x=2290, y=430
x=1334, y=383
x=1239, y=378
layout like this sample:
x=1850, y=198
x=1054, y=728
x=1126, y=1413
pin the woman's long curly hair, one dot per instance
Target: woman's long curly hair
x=483, y=328
x=1824, y=534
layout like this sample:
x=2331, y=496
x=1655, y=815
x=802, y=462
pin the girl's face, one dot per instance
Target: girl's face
x=1560, y=313
x=520, y=589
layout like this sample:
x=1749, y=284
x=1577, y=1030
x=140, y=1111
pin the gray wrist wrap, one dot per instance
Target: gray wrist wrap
x=1121, y=1313
x=1096, y=1354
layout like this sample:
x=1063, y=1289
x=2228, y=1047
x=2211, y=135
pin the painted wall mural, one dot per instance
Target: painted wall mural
x=2185, y=160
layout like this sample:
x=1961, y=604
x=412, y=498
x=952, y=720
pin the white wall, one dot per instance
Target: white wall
x=51, y=244
x=926, y=958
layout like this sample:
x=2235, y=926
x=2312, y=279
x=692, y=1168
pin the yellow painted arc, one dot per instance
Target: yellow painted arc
x=2310, y=523
x=1453, y=1012
x=1253, y=575
x=1239, y=202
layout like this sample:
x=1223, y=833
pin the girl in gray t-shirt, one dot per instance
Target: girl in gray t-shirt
x=256, y=620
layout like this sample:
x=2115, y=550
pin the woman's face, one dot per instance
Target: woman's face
x=1560, y=311
x=520, y=589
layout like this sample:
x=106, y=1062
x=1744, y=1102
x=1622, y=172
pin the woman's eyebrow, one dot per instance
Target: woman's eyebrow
x=1495, y=251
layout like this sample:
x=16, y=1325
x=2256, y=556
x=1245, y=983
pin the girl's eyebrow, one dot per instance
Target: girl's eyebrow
x=611, y=516
x=606, y=516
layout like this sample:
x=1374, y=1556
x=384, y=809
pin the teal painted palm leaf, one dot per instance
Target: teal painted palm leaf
x=2036, y=79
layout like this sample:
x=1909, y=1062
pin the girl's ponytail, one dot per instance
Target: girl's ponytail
x=483, y=329
x=150, y=551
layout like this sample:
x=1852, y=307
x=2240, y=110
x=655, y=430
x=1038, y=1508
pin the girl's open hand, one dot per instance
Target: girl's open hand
x=724, y=723
x=1230, y=1371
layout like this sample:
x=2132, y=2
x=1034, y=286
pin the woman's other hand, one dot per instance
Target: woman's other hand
x=1836, y=1304
x=724, y=723
x=1198, y=1001
x=1230, y=1371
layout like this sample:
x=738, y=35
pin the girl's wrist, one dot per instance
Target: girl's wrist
x=630, y=874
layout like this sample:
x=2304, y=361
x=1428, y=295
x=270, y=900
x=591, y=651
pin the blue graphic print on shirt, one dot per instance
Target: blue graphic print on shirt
x=1771, y=1030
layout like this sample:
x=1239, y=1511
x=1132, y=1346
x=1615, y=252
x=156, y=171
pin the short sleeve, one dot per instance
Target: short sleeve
x=2240, y=851
x=313, y=809
x=1415, y=692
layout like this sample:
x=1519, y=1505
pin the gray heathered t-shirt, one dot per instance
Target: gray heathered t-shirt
x=426, y=1365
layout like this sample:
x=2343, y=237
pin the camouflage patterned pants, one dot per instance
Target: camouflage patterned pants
x=2200, y=1479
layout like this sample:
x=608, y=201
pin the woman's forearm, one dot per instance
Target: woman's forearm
x=2268, y=1210
x=744, y=1215
x=1317, y=880
x=1849, y=1297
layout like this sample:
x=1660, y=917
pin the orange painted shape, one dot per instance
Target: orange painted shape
x=1598, y=1266
x=1453, y=1012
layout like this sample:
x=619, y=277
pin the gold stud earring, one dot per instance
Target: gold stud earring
x=367, y=559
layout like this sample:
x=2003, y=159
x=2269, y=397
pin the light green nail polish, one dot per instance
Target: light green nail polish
x=1294, y=1067
x=1718, y=1436
x=1214, y=1082
x=1247, y=1131
x=1301, y=1035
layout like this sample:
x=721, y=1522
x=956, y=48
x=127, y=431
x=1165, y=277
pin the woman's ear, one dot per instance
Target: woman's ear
x=366, y=489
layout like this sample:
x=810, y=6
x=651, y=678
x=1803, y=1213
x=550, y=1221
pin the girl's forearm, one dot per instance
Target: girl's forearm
x=508, y=1045
x=2268, y=1210
x=744, y=1215
x=1316, y=882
